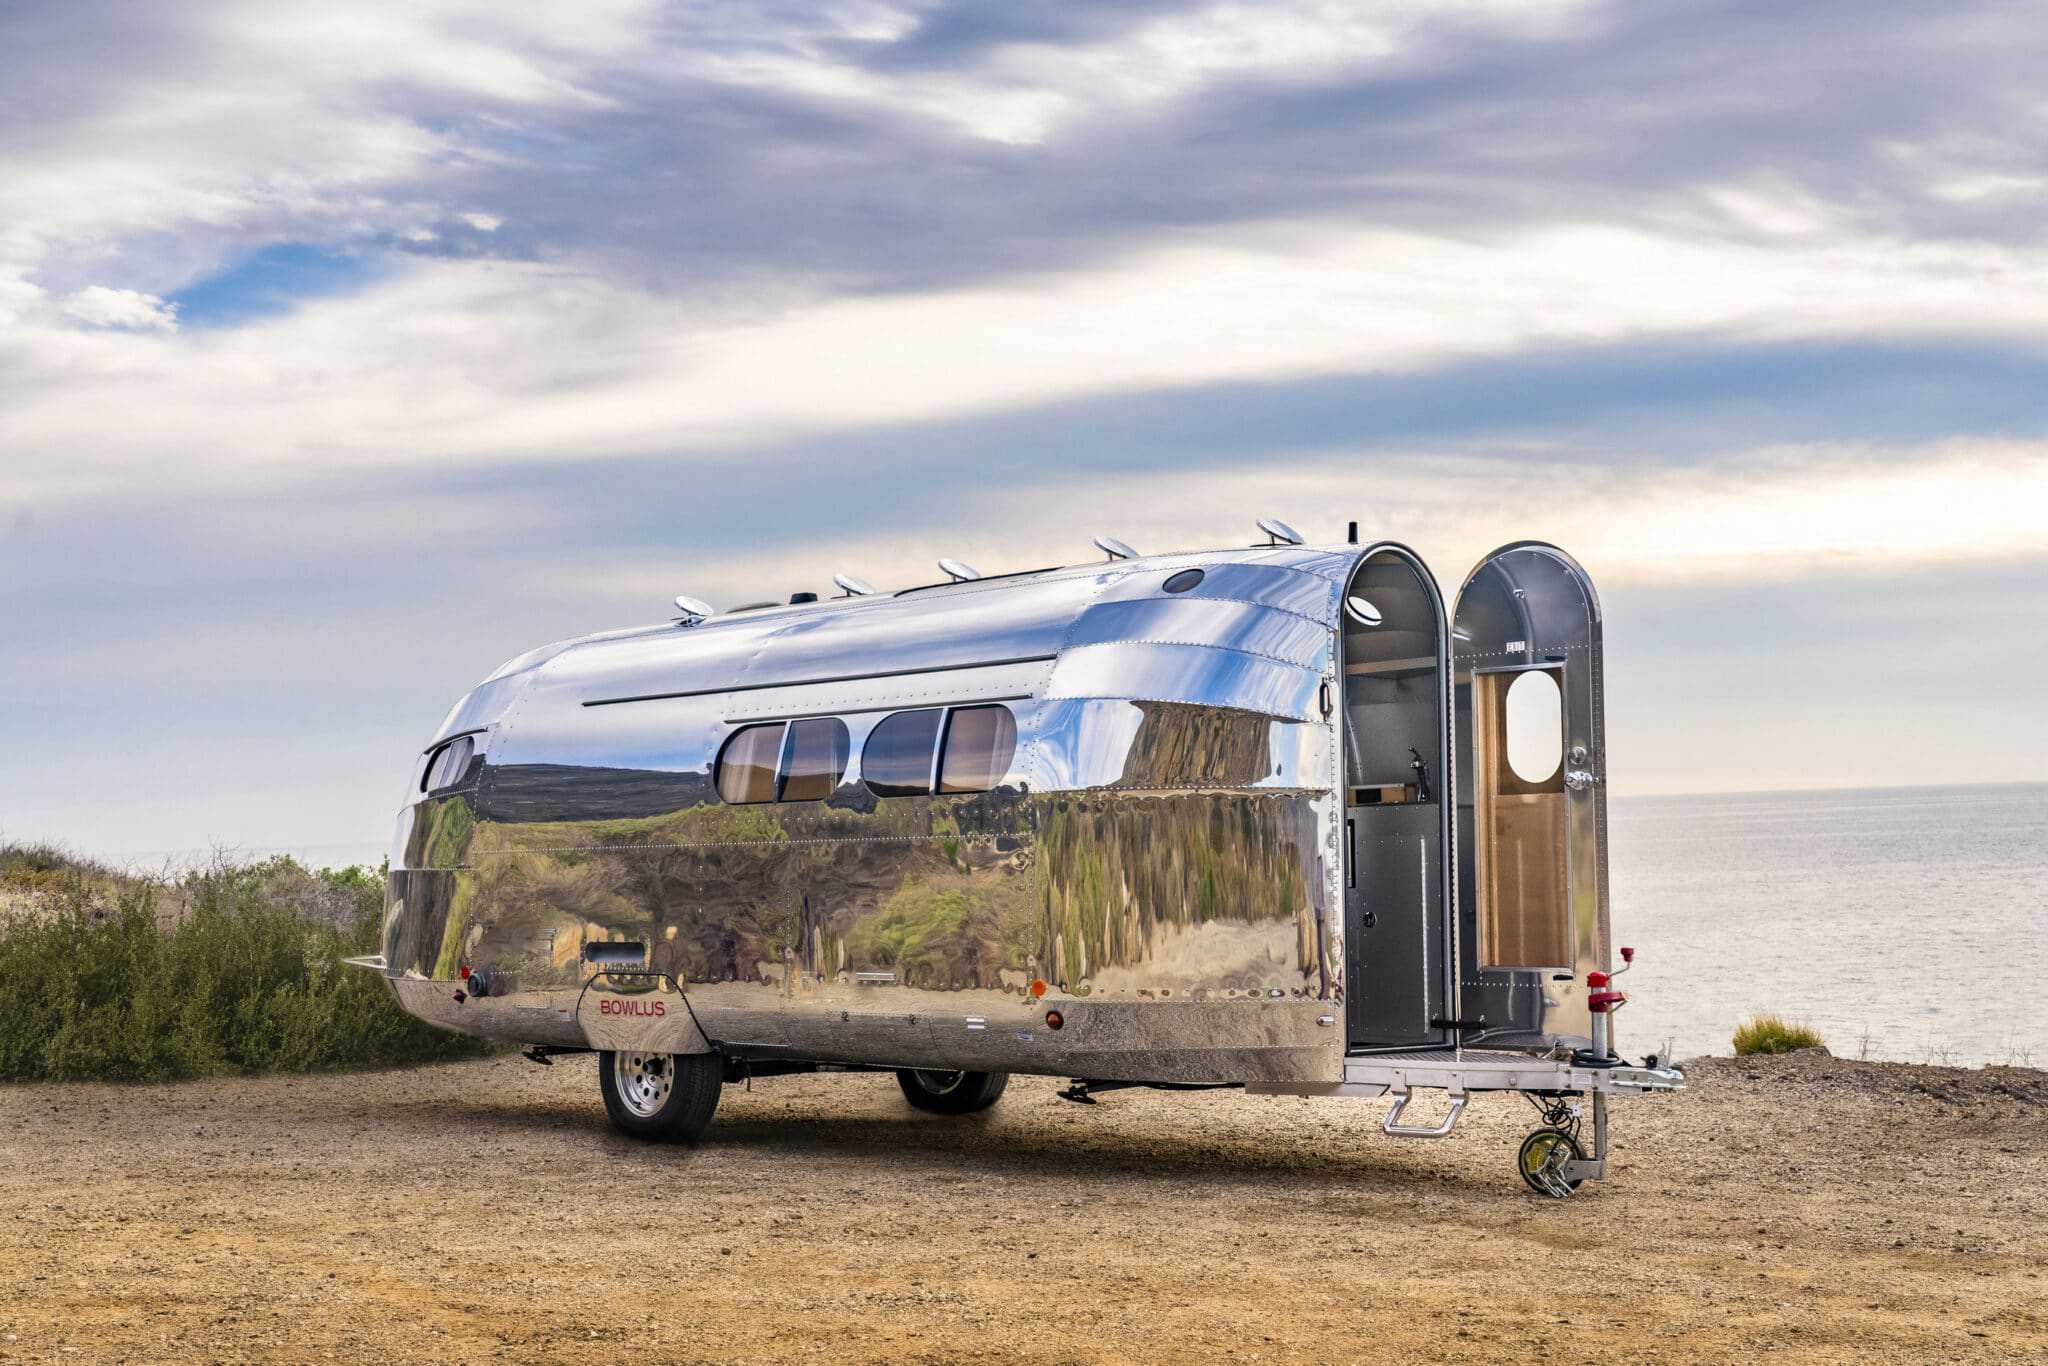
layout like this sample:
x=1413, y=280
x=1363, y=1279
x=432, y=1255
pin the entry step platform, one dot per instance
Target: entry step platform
x=1473, y=1069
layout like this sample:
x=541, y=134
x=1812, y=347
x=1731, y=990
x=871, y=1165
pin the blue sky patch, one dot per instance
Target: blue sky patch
x=272, y=281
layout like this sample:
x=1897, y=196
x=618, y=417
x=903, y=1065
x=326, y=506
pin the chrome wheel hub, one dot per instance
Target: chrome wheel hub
x=644, y=1081
x=939, y=1083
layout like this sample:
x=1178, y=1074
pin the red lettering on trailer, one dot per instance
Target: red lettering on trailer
x=654, y=1009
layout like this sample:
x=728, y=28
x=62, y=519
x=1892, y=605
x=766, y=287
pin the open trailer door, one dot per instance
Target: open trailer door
x=1531, y=805
x=1397, y=885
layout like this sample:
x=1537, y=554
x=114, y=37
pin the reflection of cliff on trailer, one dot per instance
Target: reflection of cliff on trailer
x=1242, y=817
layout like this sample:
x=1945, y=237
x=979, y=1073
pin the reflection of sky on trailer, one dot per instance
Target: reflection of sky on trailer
x=1233, y=818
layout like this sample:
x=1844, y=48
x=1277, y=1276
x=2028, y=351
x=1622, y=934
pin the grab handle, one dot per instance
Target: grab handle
x=1394, y=1128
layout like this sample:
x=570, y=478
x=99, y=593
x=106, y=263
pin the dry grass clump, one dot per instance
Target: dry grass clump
x=1773, y=1034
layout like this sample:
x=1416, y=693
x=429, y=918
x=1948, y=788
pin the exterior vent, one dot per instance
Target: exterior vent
x=958, y=572
x=692, y=610
x=1279, y=532
x=1115, y=549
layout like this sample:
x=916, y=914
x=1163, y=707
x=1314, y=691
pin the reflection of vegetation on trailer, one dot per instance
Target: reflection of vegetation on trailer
x=1259, y=818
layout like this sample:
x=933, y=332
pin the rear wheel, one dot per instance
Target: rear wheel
x=951, y=1093
x=663, y=1097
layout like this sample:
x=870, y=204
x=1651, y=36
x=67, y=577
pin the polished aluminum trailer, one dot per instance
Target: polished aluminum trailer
x=1265, y=817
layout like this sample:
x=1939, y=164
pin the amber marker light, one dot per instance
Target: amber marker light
x=1038, y=986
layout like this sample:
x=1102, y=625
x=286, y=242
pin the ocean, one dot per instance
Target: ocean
x=1908, y=924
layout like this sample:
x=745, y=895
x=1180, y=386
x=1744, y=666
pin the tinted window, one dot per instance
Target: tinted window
x=980, y=742
x=746, y=767
x=897, y=760
x=816, y=760
x=449, y=764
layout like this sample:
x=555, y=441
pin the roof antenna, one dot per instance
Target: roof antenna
x=958, y=572
x=693, y=610
x=851, y=587
x=1351, y=532
x=1279, y=531
x=1115, y=549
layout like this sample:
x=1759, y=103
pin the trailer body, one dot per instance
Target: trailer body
x=1273, y=817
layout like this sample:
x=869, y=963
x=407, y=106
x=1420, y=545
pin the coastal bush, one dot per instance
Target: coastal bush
x=247, y=977
x=1771, y=1034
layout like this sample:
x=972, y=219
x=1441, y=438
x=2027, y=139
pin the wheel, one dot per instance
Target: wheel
x=1543, y=1155
x=663, y=1097
x=951, y=1093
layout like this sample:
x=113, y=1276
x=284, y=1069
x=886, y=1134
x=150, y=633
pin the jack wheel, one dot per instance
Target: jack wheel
x=1542, y=1160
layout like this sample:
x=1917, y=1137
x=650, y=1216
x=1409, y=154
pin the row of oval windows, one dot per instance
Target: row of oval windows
x=907, y=754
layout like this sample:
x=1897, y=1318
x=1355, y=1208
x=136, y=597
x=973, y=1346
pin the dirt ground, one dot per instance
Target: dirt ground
x=1812, y=1208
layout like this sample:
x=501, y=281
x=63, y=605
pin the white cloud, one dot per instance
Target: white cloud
x=1026, y=92
x=492, y=361
x=238, y=117
x=129, y=308
x=1772, y=515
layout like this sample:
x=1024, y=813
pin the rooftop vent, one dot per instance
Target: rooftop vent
x=693, y=610
x=852, y=587
x=1115, y=549
x=958, y=572
x=1279, y=532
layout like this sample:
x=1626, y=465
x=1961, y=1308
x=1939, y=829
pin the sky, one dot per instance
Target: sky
x=348, y=350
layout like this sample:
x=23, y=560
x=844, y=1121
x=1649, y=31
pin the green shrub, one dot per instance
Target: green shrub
x=249, y=978
x=1770, y=1034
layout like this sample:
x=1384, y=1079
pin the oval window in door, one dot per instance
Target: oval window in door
x=1535, y=724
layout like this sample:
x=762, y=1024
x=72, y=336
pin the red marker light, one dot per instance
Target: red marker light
x=464, y=970
x=1053, y=1019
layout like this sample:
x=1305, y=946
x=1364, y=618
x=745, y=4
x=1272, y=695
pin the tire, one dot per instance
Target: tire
x=660, y=1097
x=1541, y=1151
x=951, y=1093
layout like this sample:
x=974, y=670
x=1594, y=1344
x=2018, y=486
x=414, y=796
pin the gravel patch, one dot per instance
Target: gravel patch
x=1807, y=1206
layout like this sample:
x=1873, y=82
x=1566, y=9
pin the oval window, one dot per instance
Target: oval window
x=980, y=742
x=746, y=767
x=1535, y=725
x=1183, y=581
x=1361, y=611
x=450, y=764
x=816, y=759
x=897, y=759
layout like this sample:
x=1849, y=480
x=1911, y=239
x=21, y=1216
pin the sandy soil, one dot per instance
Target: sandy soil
x=1811, y=1208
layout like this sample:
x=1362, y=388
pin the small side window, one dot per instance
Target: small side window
x=1535, y=726
x=815, y=760
x=897, y=759
x=980, y=742
x=746, y=766
x=449, y=764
